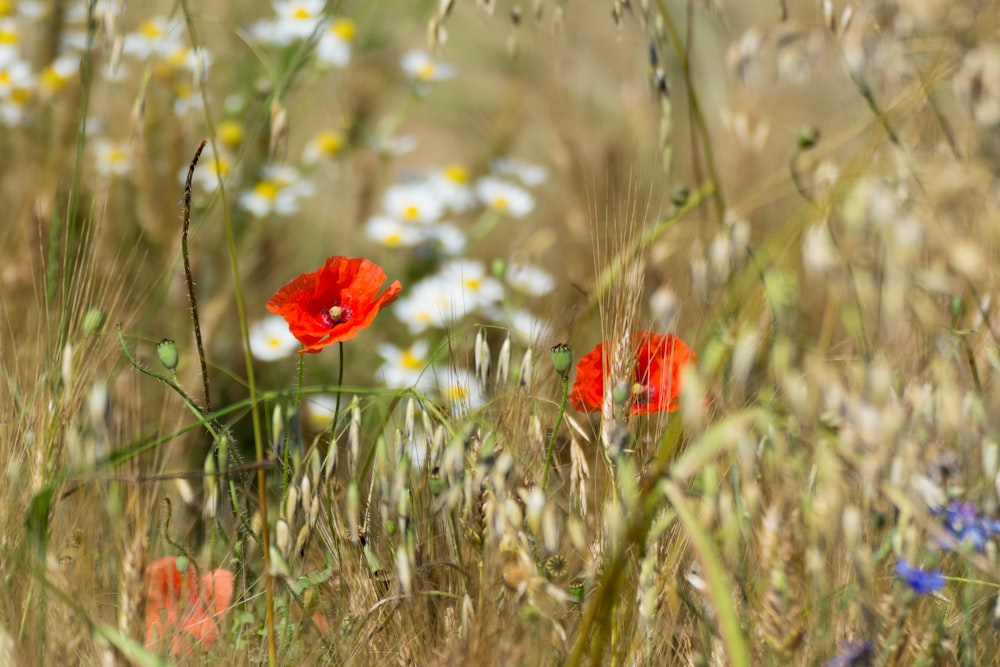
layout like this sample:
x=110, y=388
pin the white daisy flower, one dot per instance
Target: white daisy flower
x=451, y=184
x=531, y=280
x=429, y=303
x=412, y=202
x=12, y=109
x=528, y=327
x=16, y=79
x=405, y=368
x=422, y=66
x=278, y=192
x=58, y=74
x=446, y=238
x=392, y=233
x=529, y=174
x=469, y=284
x=320, y=411
x=10, y=40
x=197, y=61
x=460, y=389
x=154, y=37
x=334, y=46
x=114, y=158
x=294, y=20
x=271, y=339
x=504, y=197
x=325, y=145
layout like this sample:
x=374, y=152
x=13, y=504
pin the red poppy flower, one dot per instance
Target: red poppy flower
x=182, y=603
x=334, y=303
x=659, y=362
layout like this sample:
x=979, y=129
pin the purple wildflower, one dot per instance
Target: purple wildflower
x=966, y=525
x=921, y=582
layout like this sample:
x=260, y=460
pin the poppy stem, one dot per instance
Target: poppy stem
x=555, y=430
x=340, y=383
x=295, y=411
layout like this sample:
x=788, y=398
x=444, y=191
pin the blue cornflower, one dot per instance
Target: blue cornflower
x=921, y=582
x=967, y=525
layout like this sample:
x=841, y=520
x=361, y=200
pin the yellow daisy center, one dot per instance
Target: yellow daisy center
x=266, y=189
x=456, y=173
x=230, y=133
x=345, y=29
x=411, y=361
x=411, y=212
x=115, y=155
x=150, y=29
x=500, y=203
x=330, y=142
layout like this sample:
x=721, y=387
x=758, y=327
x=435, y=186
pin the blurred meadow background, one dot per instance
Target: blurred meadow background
x=803, y=193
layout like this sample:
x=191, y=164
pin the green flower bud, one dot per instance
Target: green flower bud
x=182, y=564
x=562, y=358
x=166, y=350
x=93, y=320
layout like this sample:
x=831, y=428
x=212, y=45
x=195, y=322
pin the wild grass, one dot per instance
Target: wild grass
x=805, y=193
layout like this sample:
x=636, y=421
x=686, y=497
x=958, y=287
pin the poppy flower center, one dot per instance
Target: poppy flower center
x=642, y=394
x=337, y=315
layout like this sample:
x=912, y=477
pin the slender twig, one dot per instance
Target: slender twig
x=189, y=277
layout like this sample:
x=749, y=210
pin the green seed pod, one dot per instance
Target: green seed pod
x=166, y=350
x=562, y=358
x=93, y=320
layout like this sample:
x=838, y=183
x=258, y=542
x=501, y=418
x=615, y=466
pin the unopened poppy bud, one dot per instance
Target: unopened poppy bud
x=166, y=350
x=93, y=320
x=498, y=266
x=562, y=358
x=434, y=482
x=808, y=137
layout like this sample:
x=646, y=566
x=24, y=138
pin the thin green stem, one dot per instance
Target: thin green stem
x=286, y=468
x=696, y=110
x=336, y=409
x=258, y=432
x=555, y=431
